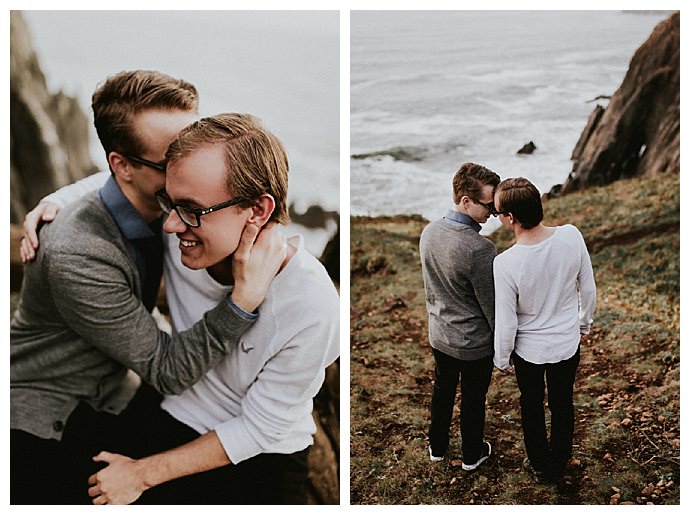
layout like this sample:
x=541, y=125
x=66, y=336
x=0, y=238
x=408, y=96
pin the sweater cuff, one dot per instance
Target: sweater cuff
x=226, y=323
x=241, y=312
x=237, y=440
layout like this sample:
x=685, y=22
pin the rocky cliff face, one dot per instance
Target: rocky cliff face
x=639, y=132
x=48, y=132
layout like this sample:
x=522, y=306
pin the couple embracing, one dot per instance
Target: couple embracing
x=523, y=311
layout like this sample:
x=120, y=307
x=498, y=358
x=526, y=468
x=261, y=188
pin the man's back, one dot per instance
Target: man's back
x=458, y=282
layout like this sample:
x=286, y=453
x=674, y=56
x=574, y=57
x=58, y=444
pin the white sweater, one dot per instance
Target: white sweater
x=259, y=398
x=545, y=298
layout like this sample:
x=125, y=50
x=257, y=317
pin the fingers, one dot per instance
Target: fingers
x=95, y=491
x=43, y=212
x=26, y=251
x=50, y=211
x=247, y=240
x=99, y=500
x=271, y=239
x=103, y=456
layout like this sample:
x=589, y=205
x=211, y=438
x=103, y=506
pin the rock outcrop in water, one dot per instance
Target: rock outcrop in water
x=48, y=132
x=639, y=132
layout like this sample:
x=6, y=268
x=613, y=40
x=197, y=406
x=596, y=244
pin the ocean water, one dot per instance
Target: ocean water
x=433, y=89
x=282, y=66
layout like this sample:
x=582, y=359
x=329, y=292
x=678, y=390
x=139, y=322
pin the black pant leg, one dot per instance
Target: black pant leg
x=560, y=378
x=264, y=479
x=446, y=380
x=530, y=379
x=40, y=471
x=475, y=377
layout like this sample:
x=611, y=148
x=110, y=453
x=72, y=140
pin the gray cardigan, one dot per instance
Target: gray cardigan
x=81, y=324
x=459, y=287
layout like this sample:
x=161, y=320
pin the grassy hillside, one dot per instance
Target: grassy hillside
x=627, y=393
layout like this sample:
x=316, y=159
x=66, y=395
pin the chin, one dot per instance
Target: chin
x=192, y=264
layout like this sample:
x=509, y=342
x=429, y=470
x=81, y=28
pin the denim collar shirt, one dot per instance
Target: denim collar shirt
x=143, y=240
x=456, y=217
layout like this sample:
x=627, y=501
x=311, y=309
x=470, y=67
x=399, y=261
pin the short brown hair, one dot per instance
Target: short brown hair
x=127, y=93
x=521, y=198
x=470, y=178
x=256, y=162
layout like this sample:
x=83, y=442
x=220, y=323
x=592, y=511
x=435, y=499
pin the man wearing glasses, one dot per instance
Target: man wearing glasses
x=84, y=317
x=241, y=434
x=458, y=282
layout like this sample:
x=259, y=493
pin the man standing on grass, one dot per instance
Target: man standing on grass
x=545, y=299
x=458, y=282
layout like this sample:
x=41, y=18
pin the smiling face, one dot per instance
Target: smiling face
x=198, y=180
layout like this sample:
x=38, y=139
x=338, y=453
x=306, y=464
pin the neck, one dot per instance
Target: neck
x=222, y=272
x=147, y=208
x=531, y=236
x=460, y=209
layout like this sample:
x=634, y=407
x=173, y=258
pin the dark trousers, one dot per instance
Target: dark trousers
x=549, y=456
x=45, y=471
x=263, y=479
x=474, y=377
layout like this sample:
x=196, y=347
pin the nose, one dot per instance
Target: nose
x=174, y=224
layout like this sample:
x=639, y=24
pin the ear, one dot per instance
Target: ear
x=262, y=210
x=120, y=166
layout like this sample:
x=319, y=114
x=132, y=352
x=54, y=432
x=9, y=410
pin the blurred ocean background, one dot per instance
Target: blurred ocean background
x=433, y=89
x=282, y=66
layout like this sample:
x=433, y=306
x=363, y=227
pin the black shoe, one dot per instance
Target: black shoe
x=486, y=452
x=540, y=477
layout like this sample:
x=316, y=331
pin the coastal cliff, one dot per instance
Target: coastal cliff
x=624, y=196
x=48, y=131
x=638, y=133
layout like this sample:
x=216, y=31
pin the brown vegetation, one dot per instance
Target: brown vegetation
x=627, y=441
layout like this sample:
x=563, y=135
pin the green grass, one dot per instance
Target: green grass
x=627, y=391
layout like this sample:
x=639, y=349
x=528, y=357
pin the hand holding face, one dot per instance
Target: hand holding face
x=255, y=263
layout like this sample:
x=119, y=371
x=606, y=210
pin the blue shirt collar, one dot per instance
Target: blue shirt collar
x=127, y=218
x=454, y=216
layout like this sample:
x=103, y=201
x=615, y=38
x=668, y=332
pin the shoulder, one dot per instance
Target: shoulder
x=506, y=258
x=569, y=230
x=83, y=228
x=306, y=284
x=570, y=234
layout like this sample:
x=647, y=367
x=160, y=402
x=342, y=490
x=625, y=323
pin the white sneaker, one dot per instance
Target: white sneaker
x=486, y=452
x=434, y=458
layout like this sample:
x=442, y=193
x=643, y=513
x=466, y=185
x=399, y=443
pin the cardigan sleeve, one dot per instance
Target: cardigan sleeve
x=97, y=302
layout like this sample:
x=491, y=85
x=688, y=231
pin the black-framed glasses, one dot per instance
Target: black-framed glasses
x=487, y=205
x=189, y=215
x=151, y=164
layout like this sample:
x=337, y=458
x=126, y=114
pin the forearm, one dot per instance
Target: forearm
x=73, y=192
x=108, y=315
x=204, y=453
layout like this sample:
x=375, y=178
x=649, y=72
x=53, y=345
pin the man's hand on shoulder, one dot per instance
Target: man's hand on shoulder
x=44, y=212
